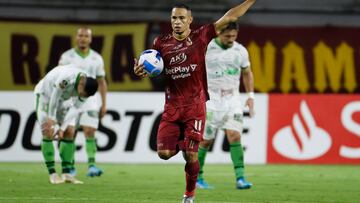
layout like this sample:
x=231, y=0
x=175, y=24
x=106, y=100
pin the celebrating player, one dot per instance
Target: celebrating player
x=62, y=88
x=183, y=119
x=92, y=64
x=225, y=61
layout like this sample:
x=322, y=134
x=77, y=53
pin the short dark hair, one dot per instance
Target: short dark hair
x=181, y=5
x=91, y=86
x=230, y=26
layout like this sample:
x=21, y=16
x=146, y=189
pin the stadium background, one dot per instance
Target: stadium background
x=305, y=58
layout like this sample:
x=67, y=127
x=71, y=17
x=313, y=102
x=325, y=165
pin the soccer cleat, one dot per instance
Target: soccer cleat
x=188, y=199
x=73, y=172
x=68, y=178
x=241, y=183
x=202, y=184
x=94, y=171
x=55, y=179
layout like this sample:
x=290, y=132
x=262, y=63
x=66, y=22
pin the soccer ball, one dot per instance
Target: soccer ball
x=152, y=61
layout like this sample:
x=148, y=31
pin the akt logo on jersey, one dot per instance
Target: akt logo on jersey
x=178, y=59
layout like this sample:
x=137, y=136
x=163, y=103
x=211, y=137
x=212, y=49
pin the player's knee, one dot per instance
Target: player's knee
x=190, y=156
x=233, y=136
x=165, y=154
x=47, y=132
x=234, y=139
x=69, y=133
x=89, y=132
x=206, y=143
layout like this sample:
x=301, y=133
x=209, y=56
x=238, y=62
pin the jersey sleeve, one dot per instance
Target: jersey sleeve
x=245, y=61
x=54, y=101
x=207, y=33
x=156, y=44
x=64, y=60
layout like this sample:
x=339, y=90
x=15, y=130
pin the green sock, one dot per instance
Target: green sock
x=201, y=156
x=91, y=151
x=73, y=158
x=47, y=148
x=237, y=157
x=66, y=154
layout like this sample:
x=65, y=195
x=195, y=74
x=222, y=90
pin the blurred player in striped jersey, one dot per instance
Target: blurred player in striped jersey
x=183, y=52
x=226, y=60
x=92, y=64
x=63, y=88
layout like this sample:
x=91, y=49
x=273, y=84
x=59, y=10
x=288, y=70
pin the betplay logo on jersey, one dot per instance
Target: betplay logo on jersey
x=314, y=129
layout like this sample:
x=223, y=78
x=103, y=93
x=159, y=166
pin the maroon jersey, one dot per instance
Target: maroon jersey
x=184, y=66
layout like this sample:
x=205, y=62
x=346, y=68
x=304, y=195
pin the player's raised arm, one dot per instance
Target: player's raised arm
x=233, y=14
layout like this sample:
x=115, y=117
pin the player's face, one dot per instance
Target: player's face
x=180, y=20
x=83, y=38
x=228, y=37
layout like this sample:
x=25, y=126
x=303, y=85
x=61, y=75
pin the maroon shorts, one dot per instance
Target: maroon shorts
x=182, y=128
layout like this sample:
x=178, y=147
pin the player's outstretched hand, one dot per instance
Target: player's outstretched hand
x=250, y=103
x=139, y=69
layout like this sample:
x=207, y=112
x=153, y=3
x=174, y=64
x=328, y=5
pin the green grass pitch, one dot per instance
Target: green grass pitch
x=164, y=183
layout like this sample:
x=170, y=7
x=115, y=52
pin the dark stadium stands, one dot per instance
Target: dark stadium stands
x=265, y=12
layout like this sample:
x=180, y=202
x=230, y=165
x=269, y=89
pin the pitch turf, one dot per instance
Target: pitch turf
x=164, y=183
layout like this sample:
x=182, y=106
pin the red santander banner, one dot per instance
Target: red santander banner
x=314, y=129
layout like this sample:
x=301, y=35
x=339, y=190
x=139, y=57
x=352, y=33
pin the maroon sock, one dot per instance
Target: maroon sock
x=191, y=170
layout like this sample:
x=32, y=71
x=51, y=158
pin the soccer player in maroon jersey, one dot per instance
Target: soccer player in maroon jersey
x=183, y=119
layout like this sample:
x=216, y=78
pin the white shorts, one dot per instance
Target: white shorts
x=223, y=112
x=42, y=109
x=90, y=115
